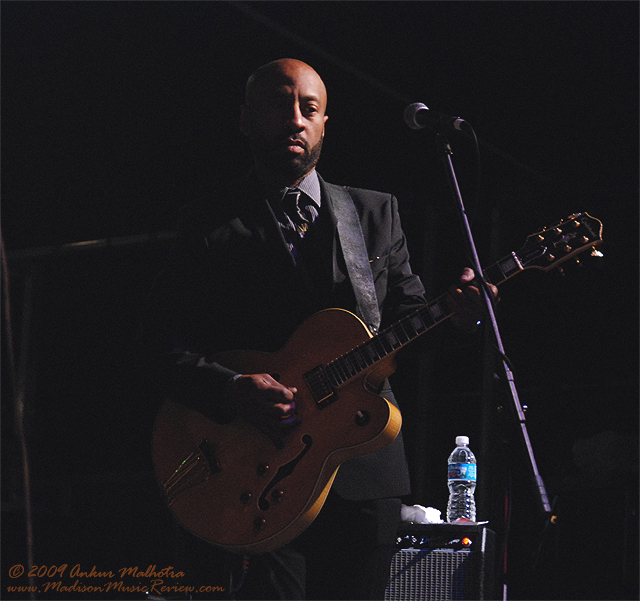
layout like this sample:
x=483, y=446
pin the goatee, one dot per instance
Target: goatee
x=287, y=169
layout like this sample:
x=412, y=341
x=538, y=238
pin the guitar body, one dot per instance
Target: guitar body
x=242, y=490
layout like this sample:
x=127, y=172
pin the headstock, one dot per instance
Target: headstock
x=549, y=247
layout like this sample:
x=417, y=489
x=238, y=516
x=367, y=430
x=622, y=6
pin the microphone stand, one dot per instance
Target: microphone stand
x=509, y=378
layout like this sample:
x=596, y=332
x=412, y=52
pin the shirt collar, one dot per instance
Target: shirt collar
x=310, y=185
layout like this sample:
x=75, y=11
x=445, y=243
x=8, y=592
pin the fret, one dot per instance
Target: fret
x=342, y=374
x=385, y=343
x=378, y=347
x=426, y=317
x=403, y=337
x=350, y=368
x=436, y=311
x=336, y=378
x=360, y=358
x=369, y=353
x=417, y=322
x=343, y=368
x=364, y=354
x=350, y=359
x=354, y=368
x=408, y=328
x=333, y=375
x=392, y=338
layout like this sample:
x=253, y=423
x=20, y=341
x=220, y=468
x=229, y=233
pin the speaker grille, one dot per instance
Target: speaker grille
x=431, y=575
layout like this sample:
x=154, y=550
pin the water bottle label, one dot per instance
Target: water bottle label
x=462, y=471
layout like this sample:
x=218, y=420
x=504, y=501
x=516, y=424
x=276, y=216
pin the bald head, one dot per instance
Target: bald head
x=283, y=118
x=283, y=71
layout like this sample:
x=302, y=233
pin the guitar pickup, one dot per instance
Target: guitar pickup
x=321, y=389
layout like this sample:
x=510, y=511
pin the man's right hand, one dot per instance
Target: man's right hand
x=264, y=402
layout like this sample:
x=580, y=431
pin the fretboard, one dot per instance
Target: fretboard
x=407, y=329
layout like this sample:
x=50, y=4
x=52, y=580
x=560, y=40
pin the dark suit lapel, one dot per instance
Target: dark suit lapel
x=274, y=237
x=302, y=277
x=354, y=253
x=263, y=227
x=328, y=197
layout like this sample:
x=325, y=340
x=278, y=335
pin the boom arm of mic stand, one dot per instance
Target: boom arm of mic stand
x=539, y=484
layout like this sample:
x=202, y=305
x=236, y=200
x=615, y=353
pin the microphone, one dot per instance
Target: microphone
x=418, y=116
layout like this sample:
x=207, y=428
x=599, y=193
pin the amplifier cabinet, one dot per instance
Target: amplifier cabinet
x=442, y=562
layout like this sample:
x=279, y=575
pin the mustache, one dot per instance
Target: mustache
x=295, y=140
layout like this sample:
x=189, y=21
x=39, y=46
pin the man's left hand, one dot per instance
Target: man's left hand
x=466, y=302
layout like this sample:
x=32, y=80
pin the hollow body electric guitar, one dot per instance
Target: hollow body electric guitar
x=249, y=492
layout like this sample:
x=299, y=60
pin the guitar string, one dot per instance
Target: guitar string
x=183, y=478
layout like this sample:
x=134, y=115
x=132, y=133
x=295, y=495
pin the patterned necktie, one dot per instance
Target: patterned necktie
x=300, y=212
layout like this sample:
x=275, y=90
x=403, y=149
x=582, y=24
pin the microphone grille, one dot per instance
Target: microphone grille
x=411, y=112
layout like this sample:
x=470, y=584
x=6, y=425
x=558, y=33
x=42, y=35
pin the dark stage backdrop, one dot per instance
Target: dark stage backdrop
x=116, y=114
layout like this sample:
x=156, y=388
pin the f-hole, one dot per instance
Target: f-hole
x=283, y=472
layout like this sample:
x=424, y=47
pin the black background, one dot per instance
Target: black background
x=115, y=114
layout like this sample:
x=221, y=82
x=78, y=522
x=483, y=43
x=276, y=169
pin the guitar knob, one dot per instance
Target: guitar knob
x=362, y=418
x=277, y=495
x=259, y=523
x=245, y=498
x=262, y=469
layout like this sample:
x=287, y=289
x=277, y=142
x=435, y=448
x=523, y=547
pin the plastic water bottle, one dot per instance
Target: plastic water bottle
x=462, y=482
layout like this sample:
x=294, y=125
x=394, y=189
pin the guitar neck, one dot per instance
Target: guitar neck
x=407, y=329
x=543, y=250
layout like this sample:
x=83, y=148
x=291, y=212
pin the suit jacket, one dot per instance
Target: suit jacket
x=234, y=285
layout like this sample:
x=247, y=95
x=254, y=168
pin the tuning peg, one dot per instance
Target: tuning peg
x=596, y=253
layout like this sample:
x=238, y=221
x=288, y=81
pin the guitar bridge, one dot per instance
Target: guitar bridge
x=197, y=468
x=321, y=389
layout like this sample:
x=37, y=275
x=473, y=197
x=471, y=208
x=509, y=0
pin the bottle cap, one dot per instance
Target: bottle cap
x=460, y=440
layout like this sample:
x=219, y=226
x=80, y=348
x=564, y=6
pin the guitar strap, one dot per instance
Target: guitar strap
x=355, y=256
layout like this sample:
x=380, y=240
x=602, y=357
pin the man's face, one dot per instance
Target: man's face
x=284, y=120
